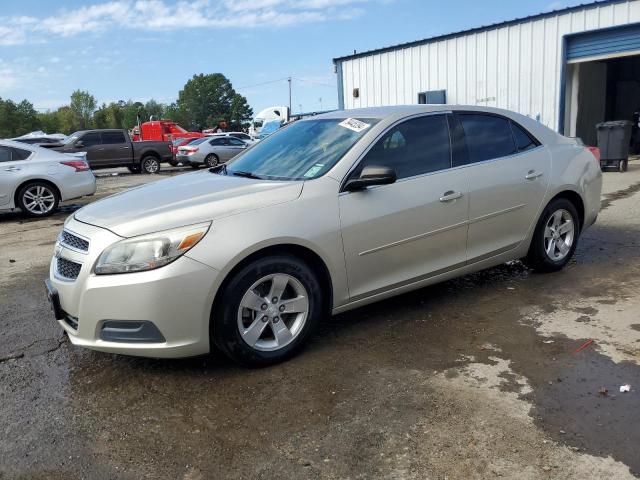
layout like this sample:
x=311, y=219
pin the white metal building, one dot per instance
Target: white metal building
x=570, y=68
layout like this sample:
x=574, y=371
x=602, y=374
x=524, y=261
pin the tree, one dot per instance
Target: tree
x=49, y=121
x=17, y=119
x=83, y=104
x=241, y=112
x=205, y=100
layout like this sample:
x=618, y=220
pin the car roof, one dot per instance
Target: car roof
x=391, y=114
x=22, y=145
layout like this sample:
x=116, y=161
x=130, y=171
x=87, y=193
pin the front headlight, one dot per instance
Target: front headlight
x=151, y=251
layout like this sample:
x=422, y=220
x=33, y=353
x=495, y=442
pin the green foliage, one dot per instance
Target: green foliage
x=83, y=104
x=17, y=119
x=207, y=100
x=204, y=101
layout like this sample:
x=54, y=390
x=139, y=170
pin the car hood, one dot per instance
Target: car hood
x=184, y=200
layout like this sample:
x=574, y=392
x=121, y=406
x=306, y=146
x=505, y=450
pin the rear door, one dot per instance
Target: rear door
x=236, y=146
x=415, y=228
x=508, y=171
x=13, y=168
x=116, y=149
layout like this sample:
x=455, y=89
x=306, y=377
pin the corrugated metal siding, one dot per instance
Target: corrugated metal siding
x=598, y=44
x=516, y=66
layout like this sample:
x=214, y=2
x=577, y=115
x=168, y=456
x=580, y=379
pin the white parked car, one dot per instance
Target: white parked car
x=36, y=179
x=245, y=137
x=325, y=215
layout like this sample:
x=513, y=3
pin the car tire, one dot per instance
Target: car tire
x=555, y=237
x=150, y=164
x=38, y=199
x=174, y=163
x=211, y=160
x=265, y=332
x=195, y=166
x=134, y=168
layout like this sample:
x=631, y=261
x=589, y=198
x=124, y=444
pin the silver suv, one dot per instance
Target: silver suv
x=36, y=179
x=325, y=215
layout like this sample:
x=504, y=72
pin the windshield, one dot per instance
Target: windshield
x=71, y=138
x=198, y=141
x=302, y=150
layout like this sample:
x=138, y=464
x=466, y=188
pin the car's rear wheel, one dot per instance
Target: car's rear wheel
x=267, y=311
x=38, y=199
x=150, y=164
x=134, y=168
x=555, y=238
x=211, y=160
x=195, y=166
x=174, y=163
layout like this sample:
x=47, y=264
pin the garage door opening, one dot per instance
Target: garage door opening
x=602, y=80
x=599, y=91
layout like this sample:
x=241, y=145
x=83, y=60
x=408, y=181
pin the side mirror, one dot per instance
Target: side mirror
x=371, y=175
x=79, y=144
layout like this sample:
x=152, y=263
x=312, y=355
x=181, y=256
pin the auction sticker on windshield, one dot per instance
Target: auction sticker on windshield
x=355, y=125
x=313, y=171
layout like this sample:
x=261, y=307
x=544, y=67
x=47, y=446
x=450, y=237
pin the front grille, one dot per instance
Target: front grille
x=70, y=240
x=68, y=269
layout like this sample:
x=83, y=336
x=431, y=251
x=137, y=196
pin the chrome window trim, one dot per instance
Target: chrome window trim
x=458, y=167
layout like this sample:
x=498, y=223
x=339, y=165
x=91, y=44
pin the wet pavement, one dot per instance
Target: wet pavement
x=479, y=377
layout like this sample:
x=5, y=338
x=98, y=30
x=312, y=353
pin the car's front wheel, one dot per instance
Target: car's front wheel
x=267, y=311
x=555, y=238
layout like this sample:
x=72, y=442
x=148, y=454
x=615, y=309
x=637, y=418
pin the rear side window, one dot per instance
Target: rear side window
x=19, y=153
x=523, y=139
x=9, y=154
x=236, y=142
x=112, y=137
x=487, y=137
x=414, y=147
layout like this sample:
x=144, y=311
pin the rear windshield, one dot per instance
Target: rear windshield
x=303, y=150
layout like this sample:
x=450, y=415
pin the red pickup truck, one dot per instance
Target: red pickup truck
x=163, y=131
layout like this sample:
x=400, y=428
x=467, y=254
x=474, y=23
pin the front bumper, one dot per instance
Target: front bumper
x=176, y=299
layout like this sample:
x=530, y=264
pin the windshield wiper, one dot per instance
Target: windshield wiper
x=219, y=168
x=240, y=173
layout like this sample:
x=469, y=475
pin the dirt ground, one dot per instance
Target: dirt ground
x=473, y=378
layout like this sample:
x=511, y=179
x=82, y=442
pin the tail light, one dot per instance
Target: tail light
x=190, y=150
x=596, y=152
x=79, y=165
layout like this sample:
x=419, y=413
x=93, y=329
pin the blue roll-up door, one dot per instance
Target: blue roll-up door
x=603, y=43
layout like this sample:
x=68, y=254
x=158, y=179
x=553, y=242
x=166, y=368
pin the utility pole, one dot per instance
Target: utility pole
x=289, y=80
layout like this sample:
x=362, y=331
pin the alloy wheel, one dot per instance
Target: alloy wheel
x=559, y=234
x=39, y=200
x=151, y=165
x=272, y=312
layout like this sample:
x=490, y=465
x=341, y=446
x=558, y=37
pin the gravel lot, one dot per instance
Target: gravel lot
x=472, y=378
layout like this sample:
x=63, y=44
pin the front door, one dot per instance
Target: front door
x=415, y=228
x=508, y=175
x=90, y=143
x=12, y=171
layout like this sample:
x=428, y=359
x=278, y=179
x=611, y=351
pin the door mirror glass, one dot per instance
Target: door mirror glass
x=371, y=175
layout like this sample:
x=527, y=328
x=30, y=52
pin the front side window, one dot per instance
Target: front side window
x=217, y=142
x=112, y=137
x=414, y=147
x=302, y=150
x=91, y=139
x=487, y=136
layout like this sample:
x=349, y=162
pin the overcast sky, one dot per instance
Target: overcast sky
x=142, y=49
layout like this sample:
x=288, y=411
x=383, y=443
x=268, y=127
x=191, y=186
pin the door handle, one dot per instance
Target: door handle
x=12, y=169
x=532, y=175
x=450, y=195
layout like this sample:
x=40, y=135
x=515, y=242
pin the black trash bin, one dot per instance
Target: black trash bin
x=613, y=141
